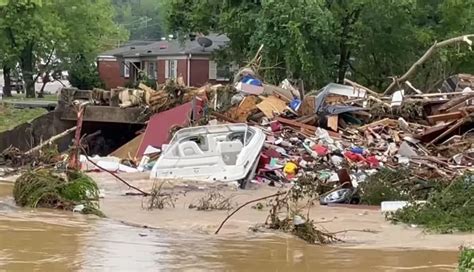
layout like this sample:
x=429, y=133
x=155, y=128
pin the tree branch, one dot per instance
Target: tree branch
x=396, y=80
x=245, y=204
x=113, y=174
x=46, y=65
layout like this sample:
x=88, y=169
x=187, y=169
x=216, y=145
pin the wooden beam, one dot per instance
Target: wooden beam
x=455, y=101
x=305, y=127
x=223, y=117
x=451, y=129
x=445, y=117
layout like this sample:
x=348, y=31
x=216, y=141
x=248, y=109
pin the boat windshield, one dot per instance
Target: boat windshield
x=232, y=131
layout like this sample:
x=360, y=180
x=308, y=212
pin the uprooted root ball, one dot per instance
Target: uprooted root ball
x=213, y=201
x=47, y=188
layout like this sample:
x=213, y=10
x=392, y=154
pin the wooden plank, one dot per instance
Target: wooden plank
x=223, y=117
x=283, y=93
x=456, y=101
x=385, y=122
x=445, y=117
x=431, y=132
x=271, y=104
x=246, y=107
x=451, y=129
x=333, y=121
x=295, y=123
x=128, y=150
x=305, y=127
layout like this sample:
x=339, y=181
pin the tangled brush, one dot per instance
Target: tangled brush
x=47, y=188
x=447, y=210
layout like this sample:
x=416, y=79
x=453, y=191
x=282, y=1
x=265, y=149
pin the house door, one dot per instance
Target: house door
x=135, y=69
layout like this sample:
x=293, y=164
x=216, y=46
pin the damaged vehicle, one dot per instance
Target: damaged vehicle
x=227, y=152
x=340, y=196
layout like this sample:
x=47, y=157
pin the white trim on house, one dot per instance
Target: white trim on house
x=171, y=69
x=106, y=58
x=133, y=59
x=126, y=69
x=177, y=57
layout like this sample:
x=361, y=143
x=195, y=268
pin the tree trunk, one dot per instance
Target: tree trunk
x=45, y=81
x=347, y=24
x=26, y=63
x=41, y=92
x=7, y=89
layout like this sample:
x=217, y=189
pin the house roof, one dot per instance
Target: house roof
x=128, y=46
x=168, y=48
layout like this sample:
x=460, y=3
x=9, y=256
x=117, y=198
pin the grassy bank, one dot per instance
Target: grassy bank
x=22, y=97
x=11, y=117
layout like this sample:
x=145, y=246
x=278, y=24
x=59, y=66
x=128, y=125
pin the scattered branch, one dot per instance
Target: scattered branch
x=245, y=204
x=113, y=174
x=50, y=140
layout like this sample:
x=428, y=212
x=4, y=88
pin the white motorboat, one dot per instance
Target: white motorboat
x=227, y=152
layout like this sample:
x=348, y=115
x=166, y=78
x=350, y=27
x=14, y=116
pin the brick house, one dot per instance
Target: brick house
x=161, y=60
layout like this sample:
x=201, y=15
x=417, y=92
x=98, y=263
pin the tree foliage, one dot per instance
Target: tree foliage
x=143, y=19
x=84, y=75
x=321, y=41
x=35, y=31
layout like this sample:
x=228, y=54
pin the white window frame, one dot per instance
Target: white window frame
x=126, y=69
x=213, y=68
x=152, y=73
x=171, y=69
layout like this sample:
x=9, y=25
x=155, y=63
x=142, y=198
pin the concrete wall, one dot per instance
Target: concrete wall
x=110, y=74
x=31, y=134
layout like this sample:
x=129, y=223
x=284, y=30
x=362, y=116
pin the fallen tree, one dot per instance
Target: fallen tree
x=448, y=210
x=435, y=47
x=47, y=188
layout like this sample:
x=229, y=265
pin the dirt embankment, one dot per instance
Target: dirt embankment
x=368, y=227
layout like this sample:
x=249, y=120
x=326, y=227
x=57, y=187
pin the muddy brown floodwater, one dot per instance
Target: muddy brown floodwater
x=46, y=240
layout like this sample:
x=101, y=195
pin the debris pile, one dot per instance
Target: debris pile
x=352, y=142
x=342, y=134
x=47, y=188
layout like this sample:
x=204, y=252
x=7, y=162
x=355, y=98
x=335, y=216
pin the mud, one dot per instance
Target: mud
x=50, y=240
x=363, y=221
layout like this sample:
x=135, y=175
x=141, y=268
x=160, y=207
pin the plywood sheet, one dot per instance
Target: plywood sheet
x=128, y=150
x=271, y=104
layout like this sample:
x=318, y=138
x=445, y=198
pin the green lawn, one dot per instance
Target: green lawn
x=21, y=97
x=11, y=117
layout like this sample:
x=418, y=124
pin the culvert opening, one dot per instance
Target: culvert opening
x=111, y=136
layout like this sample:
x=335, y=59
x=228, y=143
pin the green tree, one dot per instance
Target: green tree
x=84, y=75
x=321, y=41
x=36, y=30
x=144, y=19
